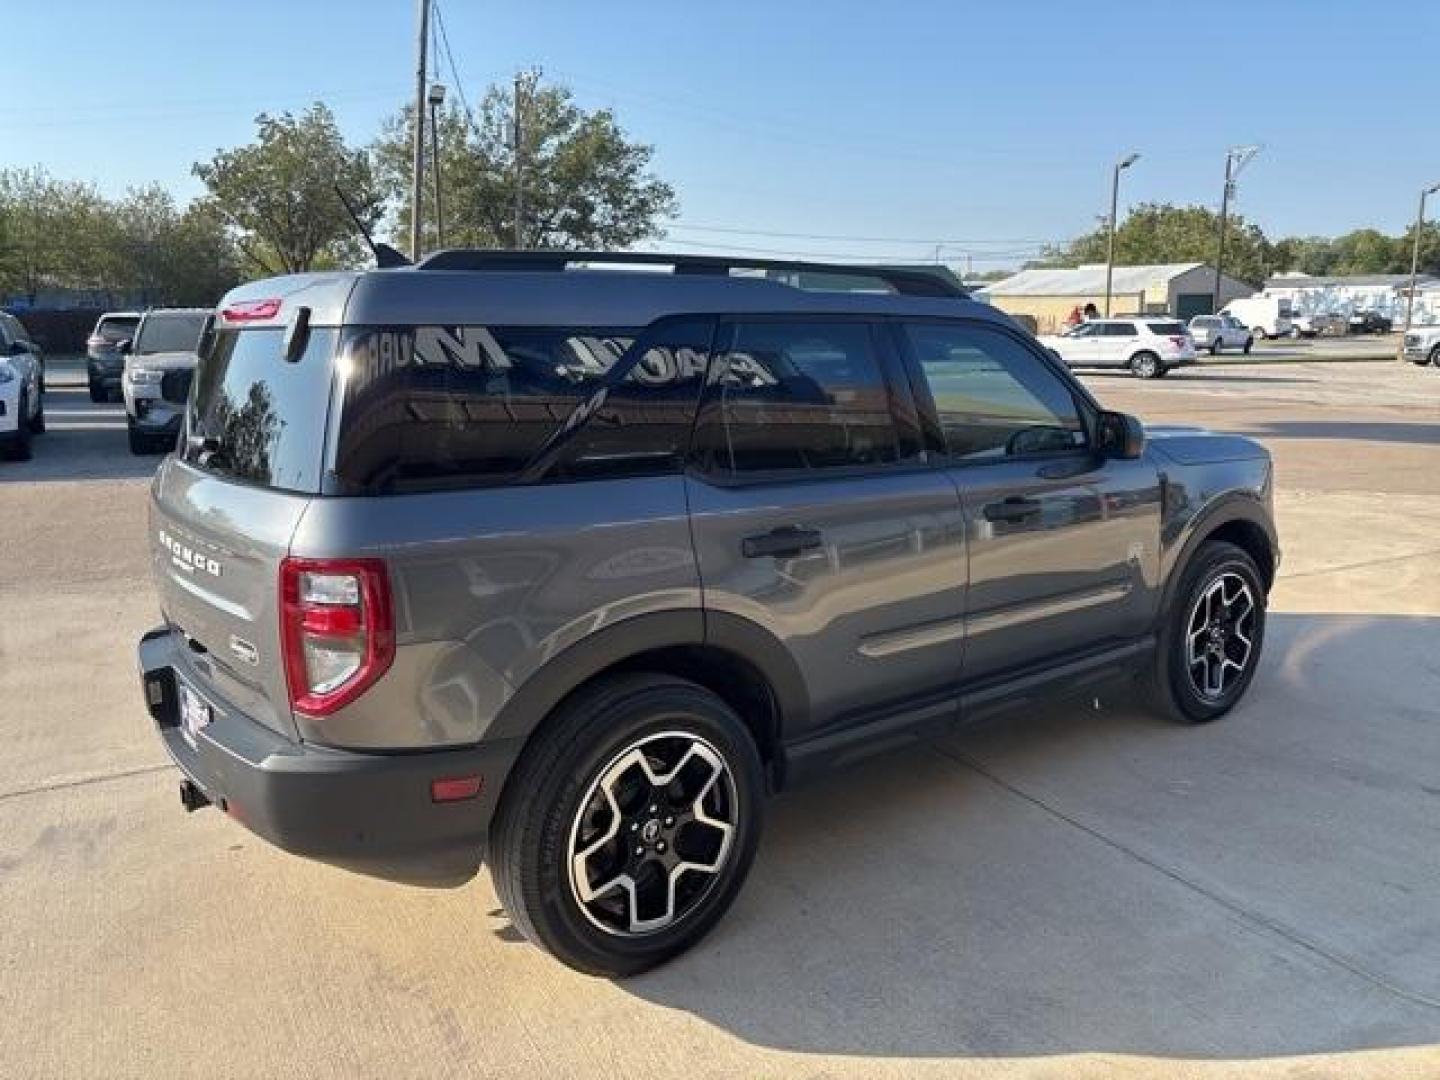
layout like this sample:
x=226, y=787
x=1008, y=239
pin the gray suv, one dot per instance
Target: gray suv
x=541, y=559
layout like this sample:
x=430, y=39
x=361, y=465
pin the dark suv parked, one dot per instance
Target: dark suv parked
x=509, y=555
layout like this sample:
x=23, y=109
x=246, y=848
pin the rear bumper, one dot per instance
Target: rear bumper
x=367, y=812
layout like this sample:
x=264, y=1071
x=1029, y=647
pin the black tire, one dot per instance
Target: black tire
x=1146, y=365
x=37, y=426
x=554, y=792
x=141, y=444
x=98, y=393
x=1435, y=357
x=19, y=448
x=1249, y=344
x=1215, y=348
x=1171, y=684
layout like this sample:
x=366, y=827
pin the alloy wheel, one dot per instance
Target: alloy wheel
x=1219, y=635
x=652, y=834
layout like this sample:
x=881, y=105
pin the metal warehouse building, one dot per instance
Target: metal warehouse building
x=1050, y=295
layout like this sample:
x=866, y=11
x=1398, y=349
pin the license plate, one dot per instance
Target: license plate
x=195, y=713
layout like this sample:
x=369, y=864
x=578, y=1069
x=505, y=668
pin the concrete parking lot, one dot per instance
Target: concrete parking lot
x=1075, y=891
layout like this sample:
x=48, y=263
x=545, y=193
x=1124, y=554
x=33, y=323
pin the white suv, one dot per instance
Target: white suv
x=22, y=389
x=1217, y=332
x=1149, y=347
x=1422, y=345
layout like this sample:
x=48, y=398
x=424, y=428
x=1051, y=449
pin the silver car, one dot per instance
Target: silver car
x=536, y=559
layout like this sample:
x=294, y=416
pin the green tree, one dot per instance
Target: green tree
x=1162, y=233
x=584, y=184
x=278, y=193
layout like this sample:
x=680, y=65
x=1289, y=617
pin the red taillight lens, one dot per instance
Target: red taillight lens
x=251, y=310
x=337, y=630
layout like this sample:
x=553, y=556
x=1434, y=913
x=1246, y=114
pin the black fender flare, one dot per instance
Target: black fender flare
x=562, y=674
x=1242, y=506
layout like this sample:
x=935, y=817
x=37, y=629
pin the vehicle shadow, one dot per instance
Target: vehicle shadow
x=1091, y=878
x=1361, y=430
x=83, y=441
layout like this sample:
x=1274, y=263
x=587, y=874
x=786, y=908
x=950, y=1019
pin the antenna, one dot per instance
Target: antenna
x=385, y=255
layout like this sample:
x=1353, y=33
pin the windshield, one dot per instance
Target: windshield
x=166, y=332
x=257, y=418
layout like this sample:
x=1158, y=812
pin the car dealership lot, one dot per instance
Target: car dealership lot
x=1067, y=891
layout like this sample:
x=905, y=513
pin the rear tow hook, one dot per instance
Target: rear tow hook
x=191, y=797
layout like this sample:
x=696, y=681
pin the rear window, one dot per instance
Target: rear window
x=256, y=418
x=1167, y=329
x=164, y=332
x=431, y=408
x=117, y=329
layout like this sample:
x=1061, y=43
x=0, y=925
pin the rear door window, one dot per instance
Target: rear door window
x=1166, y=329
x=1118, y=329
x=430, y=408
x=798, y=396
x=256, y=418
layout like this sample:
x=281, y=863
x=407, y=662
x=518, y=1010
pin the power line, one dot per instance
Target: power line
x=450, y=60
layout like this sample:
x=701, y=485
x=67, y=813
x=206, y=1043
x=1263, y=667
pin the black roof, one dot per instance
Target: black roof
x=604, y=289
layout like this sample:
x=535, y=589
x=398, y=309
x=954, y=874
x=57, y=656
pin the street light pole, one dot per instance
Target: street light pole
x=1236, y=158
x=436, y=97
x=1415, y=264
x=1123, y=163
x=417, y=167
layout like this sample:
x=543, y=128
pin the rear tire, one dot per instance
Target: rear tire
x=1146, y=365
x=1435, y=357
x=1210, y=641
x=98, y=393
x=1215, y=348
x=576, y=818
x=1249, y=344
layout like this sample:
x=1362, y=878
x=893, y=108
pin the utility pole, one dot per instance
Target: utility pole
x=436, y=98
x=417, y=172
x=518, y=149
x=1236, y=158
x=1415, y=265
x=1123, y=163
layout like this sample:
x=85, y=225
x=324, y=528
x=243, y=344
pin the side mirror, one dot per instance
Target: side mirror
x=1119, y=435
x=124, y=346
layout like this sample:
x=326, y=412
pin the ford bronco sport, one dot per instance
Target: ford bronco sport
x=565, y=563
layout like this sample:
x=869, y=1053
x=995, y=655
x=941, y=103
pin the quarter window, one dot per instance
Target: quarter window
x=798, y=397
x=994, y=397
x=438, y=407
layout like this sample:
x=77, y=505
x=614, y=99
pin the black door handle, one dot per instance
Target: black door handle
x=784, y=541
x=1014, y=508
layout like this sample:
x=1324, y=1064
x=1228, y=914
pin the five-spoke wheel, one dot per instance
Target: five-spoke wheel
x=1210, y=639
x=652, y=833
x=1218, y=635
x=629, y=823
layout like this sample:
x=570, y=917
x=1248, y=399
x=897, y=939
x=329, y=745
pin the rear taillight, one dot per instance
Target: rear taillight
x=337, y=630
x=251, y=310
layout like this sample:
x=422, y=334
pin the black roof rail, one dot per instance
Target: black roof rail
x=908, y=281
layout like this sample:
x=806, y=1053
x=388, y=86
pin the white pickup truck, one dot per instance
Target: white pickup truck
x=1422, y=345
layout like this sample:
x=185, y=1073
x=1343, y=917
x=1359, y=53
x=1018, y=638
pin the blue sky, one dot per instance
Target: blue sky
x=989, y=127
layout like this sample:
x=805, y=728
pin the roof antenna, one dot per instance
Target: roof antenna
x=385, y=255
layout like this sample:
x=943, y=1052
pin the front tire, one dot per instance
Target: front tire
x=37, y=424
x=19, y=448
x=98, y=393
x=1249, y=344
x=141, y=444
x=1435, y=357
x=629, y=825
x=1210, y=641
